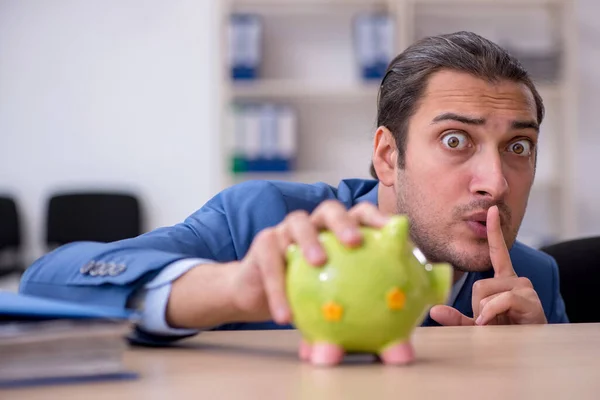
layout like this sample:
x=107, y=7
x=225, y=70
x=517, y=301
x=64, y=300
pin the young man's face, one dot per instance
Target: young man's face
x=470, y=145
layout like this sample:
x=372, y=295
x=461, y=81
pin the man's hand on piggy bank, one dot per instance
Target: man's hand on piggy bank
x=259, y=284
x=503, y=299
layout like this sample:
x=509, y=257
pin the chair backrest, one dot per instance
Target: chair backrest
x=579, y=268
x=97, y=216
x=10, y=230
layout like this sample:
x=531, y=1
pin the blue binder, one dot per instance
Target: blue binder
x=245, y=46
x=373, y=44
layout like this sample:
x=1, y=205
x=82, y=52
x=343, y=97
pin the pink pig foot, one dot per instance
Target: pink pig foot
x=398, y=354
x=305, y=350
x=326, y=354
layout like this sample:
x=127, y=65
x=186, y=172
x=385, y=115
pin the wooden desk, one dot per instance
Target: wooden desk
x=504, y=362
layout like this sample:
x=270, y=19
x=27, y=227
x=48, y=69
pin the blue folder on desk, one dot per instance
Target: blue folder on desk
x=19, y=306
x=87, y=341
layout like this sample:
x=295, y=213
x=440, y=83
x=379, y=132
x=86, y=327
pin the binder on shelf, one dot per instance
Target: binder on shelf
x=373, y=44
x=264, y=138
x=245, y=46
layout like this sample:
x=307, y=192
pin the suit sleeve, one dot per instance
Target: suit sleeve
x=557, y=313
x=108, y=274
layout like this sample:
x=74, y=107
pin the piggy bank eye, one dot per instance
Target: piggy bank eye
x=422, y=259
x=419, y=255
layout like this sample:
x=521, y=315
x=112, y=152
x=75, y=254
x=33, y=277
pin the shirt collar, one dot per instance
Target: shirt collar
x=458, y=285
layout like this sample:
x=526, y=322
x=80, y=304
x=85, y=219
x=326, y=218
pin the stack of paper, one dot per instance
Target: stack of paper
x=46, y=341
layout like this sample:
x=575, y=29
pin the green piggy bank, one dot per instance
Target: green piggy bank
x=365, y=299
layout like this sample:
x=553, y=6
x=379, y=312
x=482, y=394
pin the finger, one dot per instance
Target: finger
x=485, y=301
x=500, y=304
x=283, y=237
x=488, y=287
x=521, y=306
x=333, y=215
x=270, y=260
x=368, y=214
x=498, y=251
x=448, y=316
x=299, y=228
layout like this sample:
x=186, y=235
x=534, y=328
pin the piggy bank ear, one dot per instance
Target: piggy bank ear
x=397, y=230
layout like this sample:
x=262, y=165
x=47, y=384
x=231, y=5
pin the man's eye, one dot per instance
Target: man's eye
x=455, y=141
x=520, y=148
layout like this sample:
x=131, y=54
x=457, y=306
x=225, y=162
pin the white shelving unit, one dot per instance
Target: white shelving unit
x=289, y=90
x=309, y=63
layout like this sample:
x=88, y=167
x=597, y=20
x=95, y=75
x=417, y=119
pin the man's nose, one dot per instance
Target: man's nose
x=488, y=177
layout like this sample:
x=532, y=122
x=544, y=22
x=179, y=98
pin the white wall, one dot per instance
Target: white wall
x=108, y=93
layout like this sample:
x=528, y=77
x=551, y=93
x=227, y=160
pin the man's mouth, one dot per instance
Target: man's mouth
x=478, y=224
x=479, y=217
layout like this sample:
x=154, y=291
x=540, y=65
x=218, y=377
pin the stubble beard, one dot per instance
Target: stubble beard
x=436, y=241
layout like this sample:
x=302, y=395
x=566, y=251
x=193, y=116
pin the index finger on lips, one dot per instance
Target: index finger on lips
x=499, y=255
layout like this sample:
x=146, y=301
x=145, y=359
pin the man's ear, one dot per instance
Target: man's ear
x=385, y=156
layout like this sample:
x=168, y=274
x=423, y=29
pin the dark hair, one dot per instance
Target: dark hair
x=407, y=76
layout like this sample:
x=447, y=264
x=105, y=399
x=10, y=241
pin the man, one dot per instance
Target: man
x=455, y=150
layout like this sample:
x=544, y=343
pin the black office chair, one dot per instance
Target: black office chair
x=10, y=237
x=93, y=216
x=579, y=268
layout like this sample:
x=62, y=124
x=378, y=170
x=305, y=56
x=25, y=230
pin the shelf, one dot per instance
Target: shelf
x=358, y=3
x=336, y=5
x=290, y=89
x=550, y=92
x=330, y=177
x=306, y=3
x=271, y=7
x=503, y=3
x=541, y=187
x=309, y=63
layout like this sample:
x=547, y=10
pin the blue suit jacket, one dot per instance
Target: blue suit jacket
x=222, y=230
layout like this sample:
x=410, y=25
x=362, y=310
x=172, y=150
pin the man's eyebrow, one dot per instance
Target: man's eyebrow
x=458, y=118
x=525, y=125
